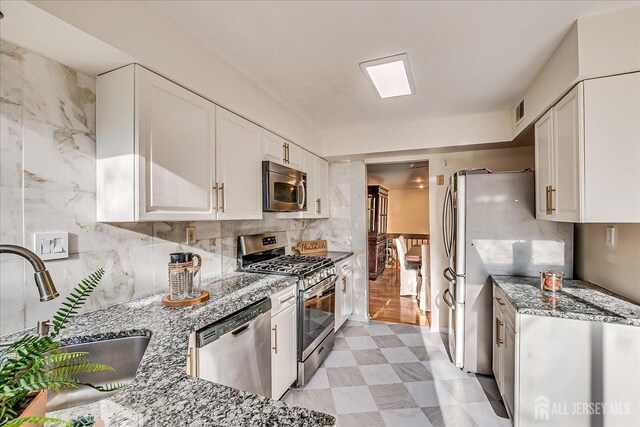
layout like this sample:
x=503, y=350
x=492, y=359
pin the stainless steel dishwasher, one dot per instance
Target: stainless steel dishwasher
x=236, y=350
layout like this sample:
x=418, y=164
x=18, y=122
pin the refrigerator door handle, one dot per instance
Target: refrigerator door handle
x=449, y=275
x=446, y=222
x=448, y=301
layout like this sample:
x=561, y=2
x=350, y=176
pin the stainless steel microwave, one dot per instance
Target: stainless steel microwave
x=283, y=189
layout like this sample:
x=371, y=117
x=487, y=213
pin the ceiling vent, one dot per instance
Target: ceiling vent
x=519, y=112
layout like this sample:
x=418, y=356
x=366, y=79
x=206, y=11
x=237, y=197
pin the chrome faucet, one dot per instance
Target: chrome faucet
x=45, y=285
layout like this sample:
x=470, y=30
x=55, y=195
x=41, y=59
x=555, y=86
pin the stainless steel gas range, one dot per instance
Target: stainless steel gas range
x=316, y=301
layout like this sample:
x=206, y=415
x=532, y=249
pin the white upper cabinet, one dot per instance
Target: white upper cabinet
x=239, y=172
x=155, y=149
x=568, y=137
x=588, y=152
x=279, y=150
x=177, y=150
x=612, y=148
x=317, y=170
x=321, y=178
x=165, y=153
x=544, y=163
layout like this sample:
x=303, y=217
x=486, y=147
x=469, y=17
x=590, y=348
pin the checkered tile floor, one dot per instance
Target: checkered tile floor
x=388, y=374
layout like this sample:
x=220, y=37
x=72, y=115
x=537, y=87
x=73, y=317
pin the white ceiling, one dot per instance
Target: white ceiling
x=467, y=57
x=401, y=176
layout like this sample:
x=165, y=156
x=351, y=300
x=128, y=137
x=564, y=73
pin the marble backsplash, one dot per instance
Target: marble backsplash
x=47, y=183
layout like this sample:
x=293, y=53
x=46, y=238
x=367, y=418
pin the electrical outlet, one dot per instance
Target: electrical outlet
x=440, y=179
x=50, y=246
x=610, y=238
x=191, y=235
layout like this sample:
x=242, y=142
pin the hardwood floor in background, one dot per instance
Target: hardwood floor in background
x=385, y=302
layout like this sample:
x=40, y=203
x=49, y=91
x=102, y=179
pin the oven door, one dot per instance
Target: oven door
x=316, y=315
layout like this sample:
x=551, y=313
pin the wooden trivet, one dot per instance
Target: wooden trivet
x=204, y=296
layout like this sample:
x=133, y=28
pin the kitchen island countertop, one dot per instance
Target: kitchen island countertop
x=162, y=393
x=578, y=299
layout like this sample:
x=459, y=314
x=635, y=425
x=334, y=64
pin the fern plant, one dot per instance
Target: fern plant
x=35, y=363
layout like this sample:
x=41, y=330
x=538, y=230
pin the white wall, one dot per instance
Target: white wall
x=609, y=43
x=414, y=135
x=157, y=43
x=408, y=211
x=616, y=268
x=346, y=230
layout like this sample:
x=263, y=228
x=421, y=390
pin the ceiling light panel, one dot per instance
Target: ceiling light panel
x=390, y=76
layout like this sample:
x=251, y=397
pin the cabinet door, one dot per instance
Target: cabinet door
x=497, y=349
x=568, y=157
x=283, y=351
x=294, y=156
x=612, y=148
x=176, y=151
x=544, y=164
x=322, y=187
x=239, y=167
x=273, y=147
x=347, y=304
x=508, y=366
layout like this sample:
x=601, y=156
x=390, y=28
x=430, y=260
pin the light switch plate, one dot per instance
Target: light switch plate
x=440, y=179
x=50, y=246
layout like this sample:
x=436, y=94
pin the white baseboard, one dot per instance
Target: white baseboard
x=359, y=318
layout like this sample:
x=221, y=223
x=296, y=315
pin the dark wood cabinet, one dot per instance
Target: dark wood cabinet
x=377, y=209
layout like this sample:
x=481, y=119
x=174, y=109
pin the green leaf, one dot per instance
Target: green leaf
x=19, y=421
x=75, y=300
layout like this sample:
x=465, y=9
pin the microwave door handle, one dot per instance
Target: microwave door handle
x=302, y=194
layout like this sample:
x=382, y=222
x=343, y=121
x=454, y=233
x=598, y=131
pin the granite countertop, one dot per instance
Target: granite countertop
x=162, y=393
x=577, y=299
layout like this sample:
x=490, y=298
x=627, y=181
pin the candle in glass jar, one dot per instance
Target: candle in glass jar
x=551, y=280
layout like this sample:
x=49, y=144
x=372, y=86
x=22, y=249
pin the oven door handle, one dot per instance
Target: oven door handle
x=322, y=286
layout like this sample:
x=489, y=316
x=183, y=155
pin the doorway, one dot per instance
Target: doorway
x=398, y=226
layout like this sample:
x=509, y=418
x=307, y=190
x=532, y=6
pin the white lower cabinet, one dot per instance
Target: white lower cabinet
x=284, y=360
x=564, y=372
x=344, y=292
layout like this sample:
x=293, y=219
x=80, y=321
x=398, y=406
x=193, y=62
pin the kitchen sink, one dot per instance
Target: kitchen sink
x=122, y=354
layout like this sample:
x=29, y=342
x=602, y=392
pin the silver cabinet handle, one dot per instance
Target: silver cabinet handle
x=288, y=299
x=344, y=284
x=498, y=339
x=222, y=197
x=275, y=347
x=318, y=206
x=215, y=195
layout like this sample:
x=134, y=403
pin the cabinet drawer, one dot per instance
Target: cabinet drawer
x=283, y=299
x=509, y=311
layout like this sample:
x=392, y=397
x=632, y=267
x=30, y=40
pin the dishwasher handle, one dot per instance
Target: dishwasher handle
x=241, y=330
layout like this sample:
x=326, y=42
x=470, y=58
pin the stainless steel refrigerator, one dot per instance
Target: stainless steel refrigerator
x=489, y=227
